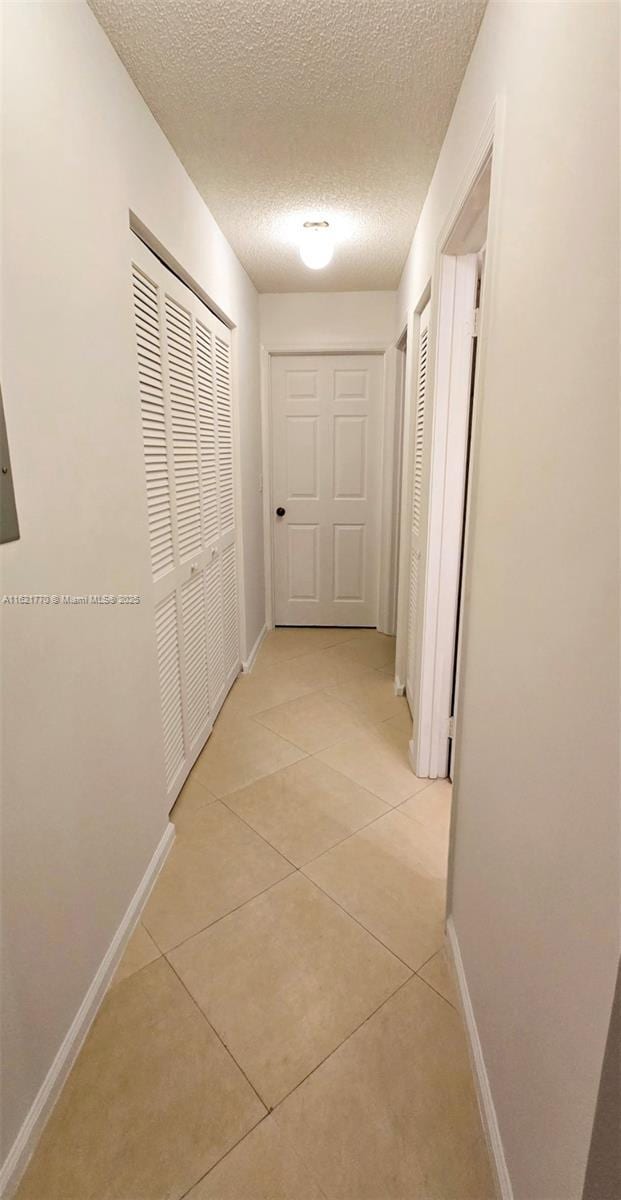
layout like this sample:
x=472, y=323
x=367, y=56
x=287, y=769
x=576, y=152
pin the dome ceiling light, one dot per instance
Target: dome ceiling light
x=316, y=244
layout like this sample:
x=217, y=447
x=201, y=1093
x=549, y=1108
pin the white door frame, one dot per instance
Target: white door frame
x=448, y=467
x=389, y=449
x=450, y=391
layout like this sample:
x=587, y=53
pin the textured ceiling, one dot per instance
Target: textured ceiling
x=288, y=110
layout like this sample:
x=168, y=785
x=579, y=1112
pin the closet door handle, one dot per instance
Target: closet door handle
x=280, y=512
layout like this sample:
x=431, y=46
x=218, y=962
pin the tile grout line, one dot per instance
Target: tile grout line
x=361, y=668
x=220, y=1039
x=328, y=848
x=347, y=1037
x=272, y=1107
x=361, y=728
x=311, y=691
x=306, y=754
x=136, y=971
x=316, y=754
x=210, y=924
x=256, y=831
x=428, y=960
x=367, y=789
x=162, y=952
x=412, y=970
x=243, y=1138
x=303, y=696
x=302, y=870
x=356, y=637
x=223, y=1156
x=295, y=870
x=303, y=754
x=432, y=988
x=347, y=838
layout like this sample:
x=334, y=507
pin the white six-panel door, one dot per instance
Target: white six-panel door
x=326, y=424
x=184, y=374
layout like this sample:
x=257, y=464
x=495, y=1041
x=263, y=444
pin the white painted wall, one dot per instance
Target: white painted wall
x=323, y=320
x=535, y=870
x=84, y=805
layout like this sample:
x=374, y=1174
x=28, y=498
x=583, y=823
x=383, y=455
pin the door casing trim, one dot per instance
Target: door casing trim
x=428, y=749
x=387, y=351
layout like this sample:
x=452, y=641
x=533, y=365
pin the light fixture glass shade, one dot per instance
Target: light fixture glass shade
x=316, y=245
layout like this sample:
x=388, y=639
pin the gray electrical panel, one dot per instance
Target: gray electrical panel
x=9, y=525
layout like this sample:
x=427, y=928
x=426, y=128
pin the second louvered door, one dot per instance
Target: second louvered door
x=184, y=372
x=417, y=546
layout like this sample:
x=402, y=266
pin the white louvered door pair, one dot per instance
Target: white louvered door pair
x=417, y=532
x=184, y=372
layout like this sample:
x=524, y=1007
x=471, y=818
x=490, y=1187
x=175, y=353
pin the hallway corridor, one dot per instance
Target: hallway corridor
x=311, y=319
x=283, y=1024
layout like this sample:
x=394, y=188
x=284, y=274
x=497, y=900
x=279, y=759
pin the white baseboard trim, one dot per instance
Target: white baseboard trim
x=486, y=1102
x=248, y=663
x=399, y=688
x=22, y=1149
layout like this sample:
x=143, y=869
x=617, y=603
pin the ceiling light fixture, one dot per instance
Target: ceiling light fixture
x=316, y=244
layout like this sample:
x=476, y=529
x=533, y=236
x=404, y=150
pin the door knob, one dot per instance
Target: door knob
x=280, y=512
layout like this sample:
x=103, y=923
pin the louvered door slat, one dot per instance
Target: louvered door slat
x=215, y=639
x=155, y=450
x=419, y=433
x=416, y=516
x=179, y=346
x=167, y=641
x=207, y=431
x=230, y=616
x=413, y=611
x=195, y=655
x=225, y=435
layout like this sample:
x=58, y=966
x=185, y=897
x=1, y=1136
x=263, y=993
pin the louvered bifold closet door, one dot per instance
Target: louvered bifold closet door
x=211, y=505
x=148, y=324
x=228, y=548
x=180, y=376
x=184, y=373
x=416, y=523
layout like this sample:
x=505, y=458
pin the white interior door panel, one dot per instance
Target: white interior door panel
x=326, y=454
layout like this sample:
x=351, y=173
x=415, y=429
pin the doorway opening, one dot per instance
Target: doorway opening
x=331, y=437
x=442, y=414
x=460, y=589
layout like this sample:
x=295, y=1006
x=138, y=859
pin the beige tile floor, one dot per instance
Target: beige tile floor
x=284, y=1024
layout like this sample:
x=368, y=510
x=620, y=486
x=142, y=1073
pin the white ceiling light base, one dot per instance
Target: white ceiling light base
x=316, y=245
